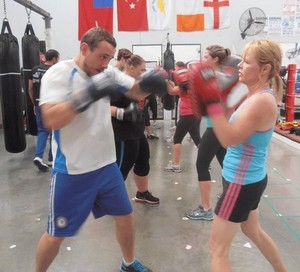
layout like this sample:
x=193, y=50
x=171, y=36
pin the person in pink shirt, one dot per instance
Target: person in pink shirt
x=187, y=123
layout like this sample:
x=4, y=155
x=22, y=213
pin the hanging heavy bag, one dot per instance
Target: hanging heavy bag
x=10, y=88
x=31, y=58
x=168, y=64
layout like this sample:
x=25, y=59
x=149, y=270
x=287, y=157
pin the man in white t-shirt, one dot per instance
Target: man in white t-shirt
x=76, y=106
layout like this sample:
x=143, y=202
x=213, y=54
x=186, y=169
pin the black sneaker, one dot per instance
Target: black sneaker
x=146, y=197
x=40, y=164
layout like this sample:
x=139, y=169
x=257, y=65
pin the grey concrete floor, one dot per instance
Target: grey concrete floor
x=165, y=240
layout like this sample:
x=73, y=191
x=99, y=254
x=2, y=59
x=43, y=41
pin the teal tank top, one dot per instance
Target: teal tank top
x=246, y=163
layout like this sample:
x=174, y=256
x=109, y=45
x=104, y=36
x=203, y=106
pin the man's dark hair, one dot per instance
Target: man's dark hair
x=95, y=35
x=50, y=54
x=180, y=64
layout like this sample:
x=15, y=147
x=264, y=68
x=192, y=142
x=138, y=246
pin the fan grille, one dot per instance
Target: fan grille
x=252, y=22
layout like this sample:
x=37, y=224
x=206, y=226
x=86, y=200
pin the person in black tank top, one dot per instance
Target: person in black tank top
x=132, y=148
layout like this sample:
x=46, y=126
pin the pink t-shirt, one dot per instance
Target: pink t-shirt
x=185, y=104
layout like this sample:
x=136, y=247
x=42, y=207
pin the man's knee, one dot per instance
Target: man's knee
x=123, y=220
x=53, y=240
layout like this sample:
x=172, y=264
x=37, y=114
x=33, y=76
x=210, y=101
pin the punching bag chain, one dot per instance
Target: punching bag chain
x=168, y=37
x=28, y=14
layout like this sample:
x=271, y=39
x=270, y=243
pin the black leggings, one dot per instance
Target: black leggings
x=152, y=104
x=208, y=148
x=133, y=153
x=187, y=123
x=146, y=116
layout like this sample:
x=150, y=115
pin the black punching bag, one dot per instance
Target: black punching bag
x=31, y=58
x=168, y=64
x=11, y=91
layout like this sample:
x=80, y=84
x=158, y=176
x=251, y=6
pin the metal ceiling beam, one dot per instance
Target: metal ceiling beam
x=37, y=9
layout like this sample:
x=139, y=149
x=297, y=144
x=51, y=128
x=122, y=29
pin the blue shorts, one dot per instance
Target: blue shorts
x=237, y=201
x=73, y=197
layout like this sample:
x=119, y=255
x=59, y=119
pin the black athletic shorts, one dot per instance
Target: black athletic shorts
x=237, y=201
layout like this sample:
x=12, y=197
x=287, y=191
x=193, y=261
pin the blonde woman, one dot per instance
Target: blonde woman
x=247, y=136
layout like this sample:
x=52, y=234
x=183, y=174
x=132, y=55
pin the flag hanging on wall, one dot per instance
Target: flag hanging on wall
x=216, y=14
x=132, y=15
x=189, y=15
x=160, y=14
x=93, y=13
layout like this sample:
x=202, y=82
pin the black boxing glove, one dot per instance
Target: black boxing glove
x=99, y=86
x=228, y=76
x=154, y=82
x=129, y=114
x=232, y=91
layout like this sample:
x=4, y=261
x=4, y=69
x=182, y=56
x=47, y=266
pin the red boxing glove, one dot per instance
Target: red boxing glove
x=228, y=79
x=181, y=78
x=203, y=82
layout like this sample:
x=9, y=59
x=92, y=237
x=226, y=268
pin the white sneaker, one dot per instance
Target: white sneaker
x=189, y=138
x=170, y=140
x=49, y=163
x=40, y=164
x=172, y=128
x=173, y=168
x=155, y=125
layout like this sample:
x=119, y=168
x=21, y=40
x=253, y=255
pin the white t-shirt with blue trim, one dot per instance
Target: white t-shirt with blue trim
x=87, y=143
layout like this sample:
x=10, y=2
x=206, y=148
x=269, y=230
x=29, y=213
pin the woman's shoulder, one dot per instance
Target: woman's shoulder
x=263, y=99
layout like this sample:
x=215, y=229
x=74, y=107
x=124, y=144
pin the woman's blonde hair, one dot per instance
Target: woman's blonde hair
x=269, y=52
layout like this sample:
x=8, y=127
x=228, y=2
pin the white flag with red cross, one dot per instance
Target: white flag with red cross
x=216, y=14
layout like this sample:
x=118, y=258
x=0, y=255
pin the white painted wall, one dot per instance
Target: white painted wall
x=65, y=23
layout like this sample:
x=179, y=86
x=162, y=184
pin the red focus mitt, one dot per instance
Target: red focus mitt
x=181, y=78
x=204, y=87
x=203, y=81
